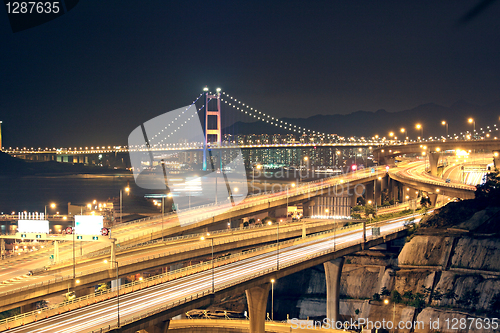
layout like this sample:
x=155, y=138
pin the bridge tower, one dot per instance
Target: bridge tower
x=210, y=132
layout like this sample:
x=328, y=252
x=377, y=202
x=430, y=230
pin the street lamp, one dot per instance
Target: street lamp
x=472, y=121
x=52, y=205
x=386, y=302
x=74, y=256
x=403, y=130
x=127, y=189
x=272, y=299
x=117, y=289
x=442, y=197
x=258, y=166
x=306, y=159
x=421, y=128
x=445, y=123
x=213, y=268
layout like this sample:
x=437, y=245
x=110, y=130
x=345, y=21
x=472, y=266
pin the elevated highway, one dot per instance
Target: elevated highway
x=163, y=299
x=413, y=174
x=200, y=217
x=432, y=146
x=433, y=149
x=136, y=259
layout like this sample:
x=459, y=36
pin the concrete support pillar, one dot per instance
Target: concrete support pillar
x=433, y=161
x=257, y=303
x=354, y=199
x=496, y=159
x=413, y=193
x=433, y=197
x=2, y=246
x=28, y=307
x=309, y=208
x=56, y=251
x=84, y=291
x=384, y=182
x=369, y=193
x=393, y=189
x=400, y=193
x=159, y=328
x=333, y=271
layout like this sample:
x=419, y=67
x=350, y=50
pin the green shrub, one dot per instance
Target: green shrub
x=396, y=296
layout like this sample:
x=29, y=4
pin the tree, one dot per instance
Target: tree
x=385, y=196
x=396, y=296
x=357, y=208
x=418, y=301
x=495, y=303
x=268, y=219
x=385, y=292
x=369, y=209
x=425, y=201
x=450, y=295
x=437, y=295
x=469, y=299
x=490, y=190
x=408, y=295
x=426, y=290
x=376, y=297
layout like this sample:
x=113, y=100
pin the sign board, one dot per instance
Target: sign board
x=33, y=226
x=372, y=170
x=88, y=224
x=376, y=231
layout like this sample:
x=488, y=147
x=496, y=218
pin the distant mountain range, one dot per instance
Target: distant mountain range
x=381, y=122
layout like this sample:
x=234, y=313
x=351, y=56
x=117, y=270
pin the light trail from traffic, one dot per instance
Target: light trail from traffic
x=93, y=317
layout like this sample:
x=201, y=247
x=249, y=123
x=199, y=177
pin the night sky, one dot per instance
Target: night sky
x=92, y=75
